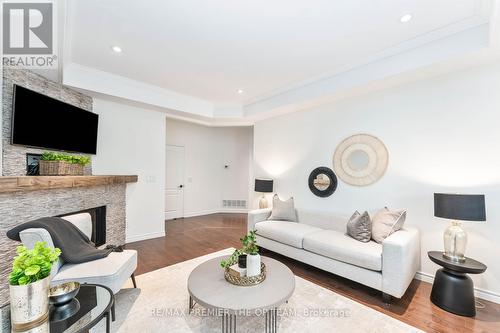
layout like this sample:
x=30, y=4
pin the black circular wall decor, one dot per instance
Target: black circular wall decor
x=322, y=182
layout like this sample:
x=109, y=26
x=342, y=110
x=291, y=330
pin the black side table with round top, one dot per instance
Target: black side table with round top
x=453, y=289
x=92, y=304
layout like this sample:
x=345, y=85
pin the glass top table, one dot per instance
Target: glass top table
x=92, y=303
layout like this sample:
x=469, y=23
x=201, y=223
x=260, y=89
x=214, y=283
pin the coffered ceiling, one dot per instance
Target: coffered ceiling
x=232, y=58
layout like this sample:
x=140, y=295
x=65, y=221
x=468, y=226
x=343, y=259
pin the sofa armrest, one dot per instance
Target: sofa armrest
x=257, y=215
x=400, y=261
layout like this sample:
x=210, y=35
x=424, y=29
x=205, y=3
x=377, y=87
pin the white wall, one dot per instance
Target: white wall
x=132, y=141
x=442, y=134
x=207, y=150
x=1, y=116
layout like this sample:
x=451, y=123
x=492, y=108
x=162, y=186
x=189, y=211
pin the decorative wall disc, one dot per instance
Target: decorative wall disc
x=322, y=182
x=360, y=160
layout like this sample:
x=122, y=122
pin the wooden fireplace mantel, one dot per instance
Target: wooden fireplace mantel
x=36, y=183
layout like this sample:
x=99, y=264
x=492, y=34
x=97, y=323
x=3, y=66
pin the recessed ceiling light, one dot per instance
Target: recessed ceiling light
x=405, y=18
x=117, y=49
x=240, y=91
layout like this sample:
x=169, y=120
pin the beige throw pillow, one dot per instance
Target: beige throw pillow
x=283, y=210
x=385, y=222
x=359, y=227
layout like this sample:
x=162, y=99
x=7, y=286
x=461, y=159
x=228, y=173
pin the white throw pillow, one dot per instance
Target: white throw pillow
x=385, y=222
x=283, y=210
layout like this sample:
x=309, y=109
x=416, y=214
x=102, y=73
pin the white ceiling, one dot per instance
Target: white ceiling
x=209, y=49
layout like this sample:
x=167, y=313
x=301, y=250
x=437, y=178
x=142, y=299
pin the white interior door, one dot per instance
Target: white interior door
x=174, y=196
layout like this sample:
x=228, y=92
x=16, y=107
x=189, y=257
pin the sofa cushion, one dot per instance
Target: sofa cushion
x=359, y=227
x=111, y=271
x=385, y=222
x=289, y=233
x=339, y=246
x=283, y=210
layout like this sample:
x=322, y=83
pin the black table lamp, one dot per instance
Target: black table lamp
x=263, y=186
x=458, y=207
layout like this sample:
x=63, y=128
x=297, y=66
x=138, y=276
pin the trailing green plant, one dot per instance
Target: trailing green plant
x=32, y=265
x=233, y=259
x=73, y=159
x=249, y=243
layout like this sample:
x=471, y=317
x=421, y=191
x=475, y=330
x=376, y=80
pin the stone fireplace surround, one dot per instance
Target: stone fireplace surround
x=23, y=206
x=24, y=199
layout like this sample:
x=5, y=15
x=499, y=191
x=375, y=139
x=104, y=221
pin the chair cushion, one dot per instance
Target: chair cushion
x=290, y=233
x=82, y=221
x=111, y=271
x=341, y=247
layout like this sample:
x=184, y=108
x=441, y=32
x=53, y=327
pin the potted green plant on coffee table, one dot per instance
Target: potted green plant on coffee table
x=56, y=164
x=250, y=250
x=29, y=284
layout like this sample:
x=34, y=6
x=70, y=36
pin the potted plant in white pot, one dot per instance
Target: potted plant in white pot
x=252, y=250
x=29, y=284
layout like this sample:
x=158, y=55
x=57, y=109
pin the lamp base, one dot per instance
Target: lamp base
x=455, y=241
x=263, y=202
x=453, y=258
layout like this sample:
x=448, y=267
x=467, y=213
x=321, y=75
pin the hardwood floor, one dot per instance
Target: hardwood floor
x=192, y=237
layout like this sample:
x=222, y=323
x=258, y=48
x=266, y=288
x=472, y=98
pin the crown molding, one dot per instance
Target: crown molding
x=94, y=80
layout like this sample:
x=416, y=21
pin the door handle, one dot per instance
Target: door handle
x=181, y=186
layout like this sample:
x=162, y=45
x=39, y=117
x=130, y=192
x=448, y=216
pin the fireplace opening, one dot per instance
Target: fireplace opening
x=98, y=216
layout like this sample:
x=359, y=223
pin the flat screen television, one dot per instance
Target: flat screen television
x=44, y=122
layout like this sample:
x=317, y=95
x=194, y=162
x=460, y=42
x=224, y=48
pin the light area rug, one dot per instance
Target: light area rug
x=160, y=304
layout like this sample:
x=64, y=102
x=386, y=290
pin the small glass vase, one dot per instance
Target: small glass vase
x=455, y=241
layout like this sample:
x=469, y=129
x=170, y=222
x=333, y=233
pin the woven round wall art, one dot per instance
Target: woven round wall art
x=360, y=160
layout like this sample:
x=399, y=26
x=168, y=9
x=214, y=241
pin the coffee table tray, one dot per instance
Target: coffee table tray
x=246, y=281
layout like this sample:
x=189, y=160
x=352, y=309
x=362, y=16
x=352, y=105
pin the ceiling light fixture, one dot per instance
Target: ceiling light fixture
x=239, y=91
x=405, y=18
x=116, y=49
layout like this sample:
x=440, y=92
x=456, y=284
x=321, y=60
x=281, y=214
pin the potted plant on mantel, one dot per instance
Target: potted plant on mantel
x=250, y=250
x=55, y=164
x=29, y=284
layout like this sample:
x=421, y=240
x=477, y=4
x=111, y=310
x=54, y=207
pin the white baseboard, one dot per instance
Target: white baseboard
x=237, y=211
x=131, y=239
x=215, y=211
x=200, y=213
x=478, y=292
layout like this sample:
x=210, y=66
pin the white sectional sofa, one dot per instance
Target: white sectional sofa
x=320, y=240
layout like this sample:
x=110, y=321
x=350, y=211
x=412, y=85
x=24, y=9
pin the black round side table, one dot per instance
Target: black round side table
x=453, y=289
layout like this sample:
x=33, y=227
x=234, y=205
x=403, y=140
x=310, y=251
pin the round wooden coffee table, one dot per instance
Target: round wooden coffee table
x=208, y=288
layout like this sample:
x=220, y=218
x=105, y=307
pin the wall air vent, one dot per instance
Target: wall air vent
x=235, y=204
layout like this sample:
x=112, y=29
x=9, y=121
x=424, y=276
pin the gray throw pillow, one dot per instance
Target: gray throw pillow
x=283, y=210
x=386, y=222
x=359, y=227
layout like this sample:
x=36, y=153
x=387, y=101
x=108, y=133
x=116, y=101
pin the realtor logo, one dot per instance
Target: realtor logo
x=27, y=28
x=28, y=34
